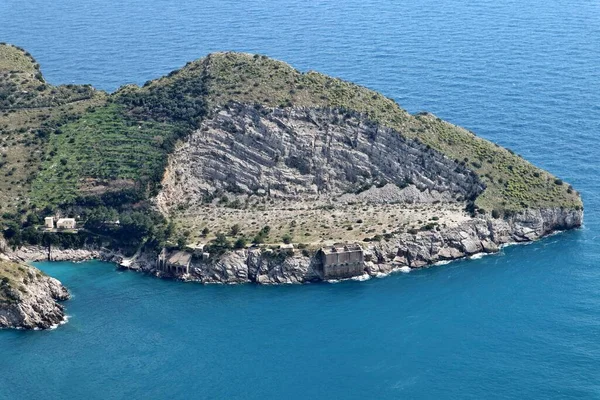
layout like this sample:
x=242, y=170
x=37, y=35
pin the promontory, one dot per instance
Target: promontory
x=239, y=168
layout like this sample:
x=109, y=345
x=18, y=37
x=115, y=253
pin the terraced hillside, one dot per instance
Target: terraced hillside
x=31, y=113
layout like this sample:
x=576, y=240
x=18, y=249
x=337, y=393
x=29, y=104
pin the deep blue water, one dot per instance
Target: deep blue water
x=521, y=324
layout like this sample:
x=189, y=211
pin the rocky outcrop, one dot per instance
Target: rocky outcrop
x=399, y=251
x=475, y=236
x=29, y=300
x=405, y=250
x=41, y=253
x=301, y=153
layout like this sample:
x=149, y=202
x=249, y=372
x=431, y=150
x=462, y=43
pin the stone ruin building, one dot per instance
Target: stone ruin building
x=342, y=261
x=175, y=262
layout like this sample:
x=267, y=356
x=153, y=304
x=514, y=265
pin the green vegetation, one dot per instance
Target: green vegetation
x=22, y=84
x=13, y=277
x=512, y=183
x=30, y=111
x=102, y=146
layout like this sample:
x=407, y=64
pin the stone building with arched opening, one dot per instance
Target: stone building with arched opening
x=176, y=262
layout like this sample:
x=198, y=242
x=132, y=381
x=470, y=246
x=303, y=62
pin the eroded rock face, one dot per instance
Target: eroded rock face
x=298, y=153
x=313, y=154
x=33, y=303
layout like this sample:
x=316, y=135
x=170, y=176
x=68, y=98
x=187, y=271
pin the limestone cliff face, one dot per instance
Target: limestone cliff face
x=302, y=153
x=478, y=235
x=32, y=302
x=309, y=154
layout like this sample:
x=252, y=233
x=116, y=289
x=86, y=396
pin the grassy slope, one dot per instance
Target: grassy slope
x=15, y=276
x=102, y=145
x=30, y=109
x=22, y=84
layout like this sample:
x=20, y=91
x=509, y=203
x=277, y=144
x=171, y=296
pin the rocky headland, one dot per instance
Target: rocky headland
x=238, y=168
x=397, y=253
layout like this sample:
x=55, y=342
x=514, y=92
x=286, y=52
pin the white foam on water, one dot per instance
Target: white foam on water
x=361, y=278
x=63, y=322
x=404, y=270
x=477, y=256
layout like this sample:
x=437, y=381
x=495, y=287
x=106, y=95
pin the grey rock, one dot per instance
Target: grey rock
x=34, y=305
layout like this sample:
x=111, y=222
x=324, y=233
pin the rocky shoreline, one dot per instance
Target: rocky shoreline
x=404, y=251
x=35, y=304
x=32, y=303
x=479, y=235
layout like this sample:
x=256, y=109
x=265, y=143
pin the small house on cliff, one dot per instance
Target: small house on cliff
x=66, y=223
x=175, y=262
x=49, y=222
x=342, y=261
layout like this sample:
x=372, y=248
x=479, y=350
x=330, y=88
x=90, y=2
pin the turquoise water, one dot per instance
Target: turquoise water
x=521, y=324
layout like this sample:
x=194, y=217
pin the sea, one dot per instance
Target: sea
x=522, y=324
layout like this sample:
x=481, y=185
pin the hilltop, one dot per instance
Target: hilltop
x=234, y=149
x=137, y=126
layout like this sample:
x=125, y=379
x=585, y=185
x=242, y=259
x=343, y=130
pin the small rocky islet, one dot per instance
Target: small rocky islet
x=238, y=168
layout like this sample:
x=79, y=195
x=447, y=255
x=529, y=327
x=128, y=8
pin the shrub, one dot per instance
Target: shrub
x=496, y=213
x=240, y=243
x=558, y=181
x=181, y=242
x=287, y=239
x=258, y=239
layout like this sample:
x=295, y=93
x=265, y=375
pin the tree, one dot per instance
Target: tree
x=235, y=230
x=219, y=245
x=287, y=238
x=221, y=241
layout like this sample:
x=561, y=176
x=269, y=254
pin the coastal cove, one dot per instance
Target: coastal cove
x=379, y=322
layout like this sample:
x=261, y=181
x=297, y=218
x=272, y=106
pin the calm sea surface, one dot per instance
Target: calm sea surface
x=521, y=324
